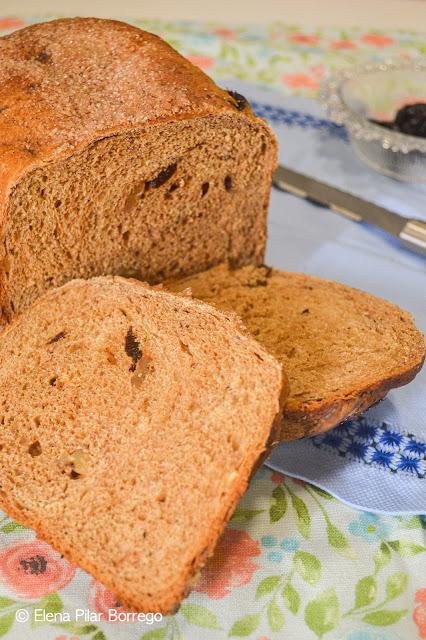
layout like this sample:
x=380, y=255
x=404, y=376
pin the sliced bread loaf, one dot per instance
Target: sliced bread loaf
x=131, y=420
x=118, y=156
x=341, y=348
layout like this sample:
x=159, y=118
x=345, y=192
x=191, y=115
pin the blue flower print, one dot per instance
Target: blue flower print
x=286, y=545
x=370, y=527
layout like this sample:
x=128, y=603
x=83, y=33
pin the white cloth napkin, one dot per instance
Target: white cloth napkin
x=377, y=462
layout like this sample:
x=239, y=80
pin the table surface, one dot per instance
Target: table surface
x=294, y=562
x=382, y=14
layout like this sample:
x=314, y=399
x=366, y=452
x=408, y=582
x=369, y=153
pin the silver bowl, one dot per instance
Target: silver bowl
x=376, y=91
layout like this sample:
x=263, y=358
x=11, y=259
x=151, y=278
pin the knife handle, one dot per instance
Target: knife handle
x=413, y=236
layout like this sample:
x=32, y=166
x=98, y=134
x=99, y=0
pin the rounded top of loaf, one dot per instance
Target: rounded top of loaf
x=69, y=82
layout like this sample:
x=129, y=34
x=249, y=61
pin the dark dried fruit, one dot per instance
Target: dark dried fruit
x=228, y=183
x=56, y=338
x=43, y=57
x=204, y=188
x=240, y=101
x=411, y=120
x=132, y=349
x=162, y=177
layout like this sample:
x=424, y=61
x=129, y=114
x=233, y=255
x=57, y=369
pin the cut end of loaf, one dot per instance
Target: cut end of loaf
x=140, y=167
x=341, y=348
x=126, y=408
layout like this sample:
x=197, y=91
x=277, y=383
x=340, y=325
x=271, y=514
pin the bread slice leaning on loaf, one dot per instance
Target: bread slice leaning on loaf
x=118, y=156
x=341, y=348
x=131, y=421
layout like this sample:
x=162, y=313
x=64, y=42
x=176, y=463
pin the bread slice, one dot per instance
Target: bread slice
x=131, y=420
x=118, y=156
x=341, y=348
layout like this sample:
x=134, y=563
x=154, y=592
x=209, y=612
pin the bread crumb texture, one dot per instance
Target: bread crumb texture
x=131, y=420
x=342, y=349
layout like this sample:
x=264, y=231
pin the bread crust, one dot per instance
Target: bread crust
x=62, y=89
x=319, y=417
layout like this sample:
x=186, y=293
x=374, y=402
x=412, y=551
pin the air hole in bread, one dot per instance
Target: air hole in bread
x=228, y=183
x=35, y=449
x=58, y=203
x=110, y=357
x=126, y=236
x=235, y=444
x=161, y=496
x=185, y=347
x=53, y=381
x=204, y=188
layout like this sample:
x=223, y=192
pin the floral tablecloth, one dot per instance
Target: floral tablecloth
x=294, y=562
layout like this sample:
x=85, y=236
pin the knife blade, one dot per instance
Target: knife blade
x=410, y=231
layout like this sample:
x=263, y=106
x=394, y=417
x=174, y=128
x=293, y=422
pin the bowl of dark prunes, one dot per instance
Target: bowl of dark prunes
x=383, y=107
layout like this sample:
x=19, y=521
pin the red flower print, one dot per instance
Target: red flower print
x=342, y=44
x=278, y=478
x=231, y=565
x=225, y=33
x=377, y=40
x=34, y=569
x=203, y=62
x=303, y=38
x=102, y=600
x=11, y=23
x=419, y=613
x=298, y=481
x=300, y=80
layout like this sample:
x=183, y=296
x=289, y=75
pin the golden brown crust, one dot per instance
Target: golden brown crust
x=320, y=418
x=69, y=82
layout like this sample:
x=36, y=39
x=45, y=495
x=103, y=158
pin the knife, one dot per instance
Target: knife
x=410, y=231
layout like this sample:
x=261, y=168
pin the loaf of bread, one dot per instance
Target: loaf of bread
x=118, y=156
x=131, y=421
x=342, y=349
